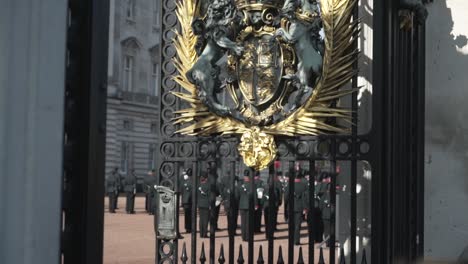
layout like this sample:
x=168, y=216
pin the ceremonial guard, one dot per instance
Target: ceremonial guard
x=130, y=191
x=119, y=182
x=301, y=198
x=314, y=217
x=150, y=191
x=215, y=191
x=323, y=196
x=260, y=191
x=187, y=199
x=230, y=203
x=271, y=204
x=111, y=187
x=243, y=193
x=203, y=204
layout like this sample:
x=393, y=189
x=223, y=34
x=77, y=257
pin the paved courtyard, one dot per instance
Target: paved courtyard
x=130, y=238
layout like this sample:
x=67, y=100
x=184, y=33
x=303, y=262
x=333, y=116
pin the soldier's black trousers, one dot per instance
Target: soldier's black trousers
x=231, y=216
x=203, y=225
x=147, y=202
x=215, y=213
x=111, y=202
x=297, y=226
x=270, y=229
x=130, y=206
x=315, y=224
x=116, y=201
x=258, y=220
x=245, y=229
x=188, y=218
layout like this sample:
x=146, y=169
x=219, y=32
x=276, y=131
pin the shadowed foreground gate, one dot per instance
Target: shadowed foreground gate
x=392, y=150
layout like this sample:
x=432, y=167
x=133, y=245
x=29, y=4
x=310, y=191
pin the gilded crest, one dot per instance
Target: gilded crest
x=263, y=67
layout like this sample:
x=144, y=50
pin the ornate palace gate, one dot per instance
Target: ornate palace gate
x=392, y=149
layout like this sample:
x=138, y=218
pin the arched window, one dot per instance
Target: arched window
x=130, y=10
x=130, y=50
x=155, y=82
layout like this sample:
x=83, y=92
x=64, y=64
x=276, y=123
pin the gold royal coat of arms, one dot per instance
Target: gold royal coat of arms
x=262, y=68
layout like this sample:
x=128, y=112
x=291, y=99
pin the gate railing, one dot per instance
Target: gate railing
x=260, y=260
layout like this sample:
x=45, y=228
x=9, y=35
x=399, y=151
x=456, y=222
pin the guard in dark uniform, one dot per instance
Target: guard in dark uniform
x=215, y=194
x=203, y=204
x=285, y=197
x=243, y=194
x=230, y=202
x=301, y=198
x=111, y=187
x=130, y=191
x=314, y=217
x=260, y=191
x=271, y=204
x=187, y=199
x=150, y=181
x=119, y=182
x=323, y=193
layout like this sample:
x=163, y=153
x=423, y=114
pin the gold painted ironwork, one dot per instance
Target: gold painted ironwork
x=340, y=33
x=257, y=148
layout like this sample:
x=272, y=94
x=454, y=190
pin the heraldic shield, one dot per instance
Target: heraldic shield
x=261, y=68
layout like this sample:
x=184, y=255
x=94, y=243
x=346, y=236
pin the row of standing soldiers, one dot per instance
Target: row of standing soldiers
x=235, y=198
x=117, y=183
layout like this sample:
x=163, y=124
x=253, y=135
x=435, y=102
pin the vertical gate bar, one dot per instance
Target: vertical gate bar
x=332, y=240
x=260, y=256
x=270, y=225
x=292, y=176
x=354, y=147
x=202, y=254
x=213, y=188
x=311, y=215
x=177, y=192
x=240, y=259
x=183, y=257
x=420, y=37
x=280, y=256
x=196, y=173
x=232, y=228
x=221, y=258
x=250, y=257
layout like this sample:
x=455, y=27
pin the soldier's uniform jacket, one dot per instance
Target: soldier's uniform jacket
x=226, y=192
x=130, y=184
x=301, y=195
x=111, y=183
x=323, y=196
x=187, y=191
x=267, y=198
x=243, y=191
x=203, y=194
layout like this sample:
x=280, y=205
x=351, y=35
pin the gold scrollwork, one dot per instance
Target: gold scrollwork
x=257, y=148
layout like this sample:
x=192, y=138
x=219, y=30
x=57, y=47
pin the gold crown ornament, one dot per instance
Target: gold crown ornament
x=259, y=5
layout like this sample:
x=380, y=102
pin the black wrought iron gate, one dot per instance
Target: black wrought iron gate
x=393, y=148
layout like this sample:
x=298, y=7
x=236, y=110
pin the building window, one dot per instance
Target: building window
x=153, y=128
x=128, y=72
x=130, y=10
x=156, y=13
x=152, y=157
x=124, y=156
x=127, y=124
x=155, y=79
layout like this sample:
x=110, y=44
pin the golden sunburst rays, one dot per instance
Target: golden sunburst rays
x=340, y=55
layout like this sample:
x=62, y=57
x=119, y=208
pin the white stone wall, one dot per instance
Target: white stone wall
x=446, y=157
